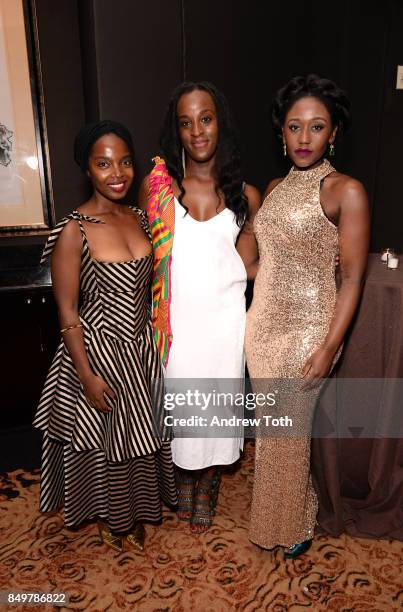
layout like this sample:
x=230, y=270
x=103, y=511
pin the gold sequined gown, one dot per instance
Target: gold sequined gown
x=293, y=304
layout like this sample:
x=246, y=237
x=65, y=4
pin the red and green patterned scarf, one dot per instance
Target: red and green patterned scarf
x=161, y=215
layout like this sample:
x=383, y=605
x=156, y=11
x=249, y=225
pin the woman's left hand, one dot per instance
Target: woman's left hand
x=317, y=367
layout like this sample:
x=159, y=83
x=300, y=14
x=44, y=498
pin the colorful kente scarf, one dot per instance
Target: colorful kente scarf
x=161, y=215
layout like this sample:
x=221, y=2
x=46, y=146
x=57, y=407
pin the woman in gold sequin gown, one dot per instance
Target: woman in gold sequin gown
x=297, y=320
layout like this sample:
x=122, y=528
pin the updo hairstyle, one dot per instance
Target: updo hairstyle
x=325, y=90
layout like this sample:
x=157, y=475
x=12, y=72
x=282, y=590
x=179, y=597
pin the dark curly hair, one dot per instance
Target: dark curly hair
x=227, y=160
x=325, y=90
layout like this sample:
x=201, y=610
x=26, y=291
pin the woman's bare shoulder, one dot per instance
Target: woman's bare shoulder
x=346, y=188
x=273, y=183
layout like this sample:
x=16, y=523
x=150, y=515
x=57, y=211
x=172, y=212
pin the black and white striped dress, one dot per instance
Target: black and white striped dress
x=113, y=466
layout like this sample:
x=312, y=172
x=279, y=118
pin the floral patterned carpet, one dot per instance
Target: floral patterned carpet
x=218, y=571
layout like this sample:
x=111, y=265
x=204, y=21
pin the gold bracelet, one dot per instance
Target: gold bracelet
x=65, y=329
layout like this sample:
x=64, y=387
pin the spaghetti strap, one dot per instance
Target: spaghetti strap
x=59, y=227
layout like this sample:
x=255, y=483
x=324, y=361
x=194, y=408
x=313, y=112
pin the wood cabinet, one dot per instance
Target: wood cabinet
x=29, y=337
x=30, y=333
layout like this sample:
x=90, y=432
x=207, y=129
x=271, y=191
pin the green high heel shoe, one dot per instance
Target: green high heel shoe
x=297, y=549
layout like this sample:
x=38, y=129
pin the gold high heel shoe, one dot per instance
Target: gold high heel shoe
x=137, y=536
x=109, y=538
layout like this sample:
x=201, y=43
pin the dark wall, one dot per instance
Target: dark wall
x=63, y=92
x=388, y=212
x=349, y=45
x=136, y=54
x=297, y=38
x=213, y=44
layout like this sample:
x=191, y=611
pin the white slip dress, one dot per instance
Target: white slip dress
x=208, y=282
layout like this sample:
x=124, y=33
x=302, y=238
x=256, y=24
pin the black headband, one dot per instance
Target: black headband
x=90, y=133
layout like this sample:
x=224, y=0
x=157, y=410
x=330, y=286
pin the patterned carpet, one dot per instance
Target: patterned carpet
x=179, y=572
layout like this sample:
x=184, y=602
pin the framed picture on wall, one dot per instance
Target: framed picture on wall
x=26, y=205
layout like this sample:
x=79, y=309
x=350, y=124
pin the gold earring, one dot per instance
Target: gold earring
x=331, y=150
x=284, y=149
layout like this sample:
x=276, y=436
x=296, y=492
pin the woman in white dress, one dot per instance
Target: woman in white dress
x=200, y=214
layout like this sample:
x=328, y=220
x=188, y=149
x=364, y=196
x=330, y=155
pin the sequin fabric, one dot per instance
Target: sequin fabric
x=293, y=303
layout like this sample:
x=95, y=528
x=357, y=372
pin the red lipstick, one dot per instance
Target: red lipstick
x=303, y=152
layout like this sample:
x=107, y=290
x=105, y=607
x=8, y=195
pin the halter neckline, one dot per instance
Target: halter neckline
x=313, y=174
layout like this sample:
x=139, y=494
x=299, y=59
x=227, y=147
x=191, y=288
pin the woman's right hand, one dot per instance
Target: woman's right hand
x=94, y=389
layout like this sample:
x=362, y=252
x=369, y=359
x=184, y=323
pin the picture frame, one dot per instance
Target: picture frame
x=26, y=199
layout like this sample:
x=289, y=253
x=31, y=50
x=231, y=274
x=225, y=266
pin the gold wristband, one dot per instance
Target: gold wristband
x=65, y=329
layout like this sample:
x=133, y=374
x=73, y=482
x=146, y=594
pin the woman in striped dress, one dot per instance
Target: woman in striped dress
x=102, y=453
